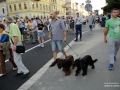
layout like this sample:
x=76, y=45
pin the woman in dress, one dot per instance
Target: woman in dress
x=41, y=34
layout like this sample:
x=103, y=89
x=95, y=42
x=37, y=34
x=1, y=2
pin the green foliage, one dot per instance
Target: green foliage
x=111, y=4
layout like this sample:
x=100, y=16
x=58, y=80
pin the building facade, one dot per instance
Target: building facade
x=83, y=12
x=34, y=8
x=71, y=8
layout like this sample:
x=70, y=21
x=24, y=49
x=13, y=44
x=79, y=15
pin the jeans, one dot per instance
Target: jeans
x=78, y=29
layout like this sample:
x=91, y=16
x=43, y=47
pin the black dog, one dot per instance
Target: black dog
x=83, y=63
x=65, y=64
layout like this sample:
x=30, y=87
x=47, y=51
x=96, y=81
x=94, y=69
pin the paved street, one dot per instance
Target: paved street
x=97, y=79
x=33, y=60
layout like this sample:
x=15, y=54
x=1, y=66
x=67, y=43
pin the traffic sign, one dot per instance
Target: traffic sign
x=88, y=1
x=88, y=7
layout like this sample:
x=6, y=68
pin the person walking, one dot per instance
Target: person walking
x=41, y=34
x=103, y=21
x=90, y=21
x=5, y=51
x=57, y=35
x=67, y=23
x=15, y=38
x=112, y=28
x=34, y=30
x=78, y=26
x=72, y=25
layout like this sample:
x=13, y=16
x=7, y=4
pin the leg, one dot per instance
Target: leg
x=117, y=45
x=77, y=28
x=54, y=49
x=111, y=50
x=78, y=71
x=2, y=63
x=33, y=35
x=84, y=71
x=42, y=38
x=80, y=29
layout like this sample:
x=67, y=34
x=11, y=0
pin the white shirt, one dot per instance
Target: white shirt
x=34, y=23
x=78, y=20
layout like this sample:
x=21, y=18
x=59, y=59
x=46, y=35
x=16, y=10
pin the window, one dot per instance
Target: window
x=49, y=8
x=25, y=5
x=37, y=5
x=40, y=6
x=15, y=7
x=46, y=7
x=32, y=5
x=20, y=6
x=43, y=7
x=3, y=10
x=10, y=8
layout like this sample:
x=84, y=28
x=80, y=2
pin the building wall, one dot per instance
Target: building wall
x=41, y=8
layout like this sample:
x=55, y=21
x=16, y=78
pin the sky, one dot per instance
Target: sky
x=97, y=4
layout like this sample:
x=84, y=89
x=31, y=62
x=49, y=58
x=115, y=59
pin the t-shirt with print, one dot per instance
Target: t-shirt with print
x=14, y=31
x=114, y=28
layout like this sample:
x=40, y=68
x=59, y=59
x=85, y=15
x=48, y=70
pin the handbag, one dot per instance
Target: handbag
x=19, y=48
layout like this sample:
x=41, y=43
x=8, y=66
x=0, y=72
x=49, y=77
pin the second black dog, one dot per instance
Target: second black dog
x=83, y=63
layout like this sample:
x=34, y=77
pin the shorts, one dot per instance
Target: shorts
x=41, y=34
x=57, y=45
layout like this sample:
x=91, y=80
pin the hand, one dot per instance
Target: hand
x=13, y=48
x=49, y=36
x=105, y=40
x=64, y=39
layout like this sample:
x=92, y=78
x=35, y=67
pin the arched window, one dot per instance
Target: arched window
x=10, y=8
x=40, y=6
x=15, y=7
x=20, y=6
x=25, y=5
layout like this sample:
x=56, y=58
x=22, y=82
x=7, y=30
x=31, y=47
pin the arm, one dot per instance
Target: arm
x=105, y=34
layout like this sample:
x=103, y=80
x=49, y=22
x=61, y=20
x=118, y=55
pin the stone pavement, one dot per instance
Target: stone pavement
x=98, y=79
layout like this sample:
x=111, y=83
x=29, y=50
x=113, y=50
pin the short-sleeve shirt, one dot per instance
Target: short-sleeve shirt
x=114, y=28
x=34, y=23
x=40, y=26
x=14, y=31
x=57, y=27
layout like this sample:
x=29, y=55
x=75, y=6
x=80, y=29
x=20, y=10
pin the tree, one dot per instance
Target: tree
x=110, y=5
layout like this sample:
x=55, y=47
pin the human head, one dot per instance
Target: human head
x=77, y=14
x=53, y=14
x=2, y=27
x=114, y=12
x=40, y=21
x=9, y=20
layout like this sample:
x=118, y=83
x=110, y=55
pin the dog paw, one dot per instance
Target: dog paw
x=84, y=74
x=93, y=68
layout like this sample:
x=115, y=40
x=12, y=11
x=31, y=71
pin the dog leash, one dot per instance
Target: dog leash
x=72, y=49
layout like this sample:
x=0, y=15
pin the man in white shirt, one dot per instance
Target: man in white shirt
x=34, y=30
x=78, y=26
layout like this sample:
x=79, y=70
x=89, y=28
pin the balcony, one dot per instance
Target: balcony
x=66, y=5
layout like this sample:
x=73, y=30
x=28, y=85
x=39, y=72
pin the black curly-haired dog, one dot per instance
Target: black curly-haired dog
x=83, y=63
x=65, y=64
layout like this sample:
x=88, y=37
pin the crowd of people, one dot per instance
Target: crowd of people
x=11, y=30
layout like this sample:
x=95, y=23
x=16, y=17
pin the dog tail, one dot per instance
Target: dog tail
x=95, y=60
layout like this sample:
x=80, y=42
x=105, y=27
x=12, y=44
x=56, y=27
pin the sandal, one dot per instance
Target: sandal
x=14, y=69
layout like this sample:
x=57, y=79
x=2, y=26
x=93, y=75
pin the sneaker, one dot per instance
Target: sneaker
x=114, y=58
x=111, y=67
x=53, y=64
x=24, y=75
x=39, y=45
x=42, y=45
x=75, y=40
